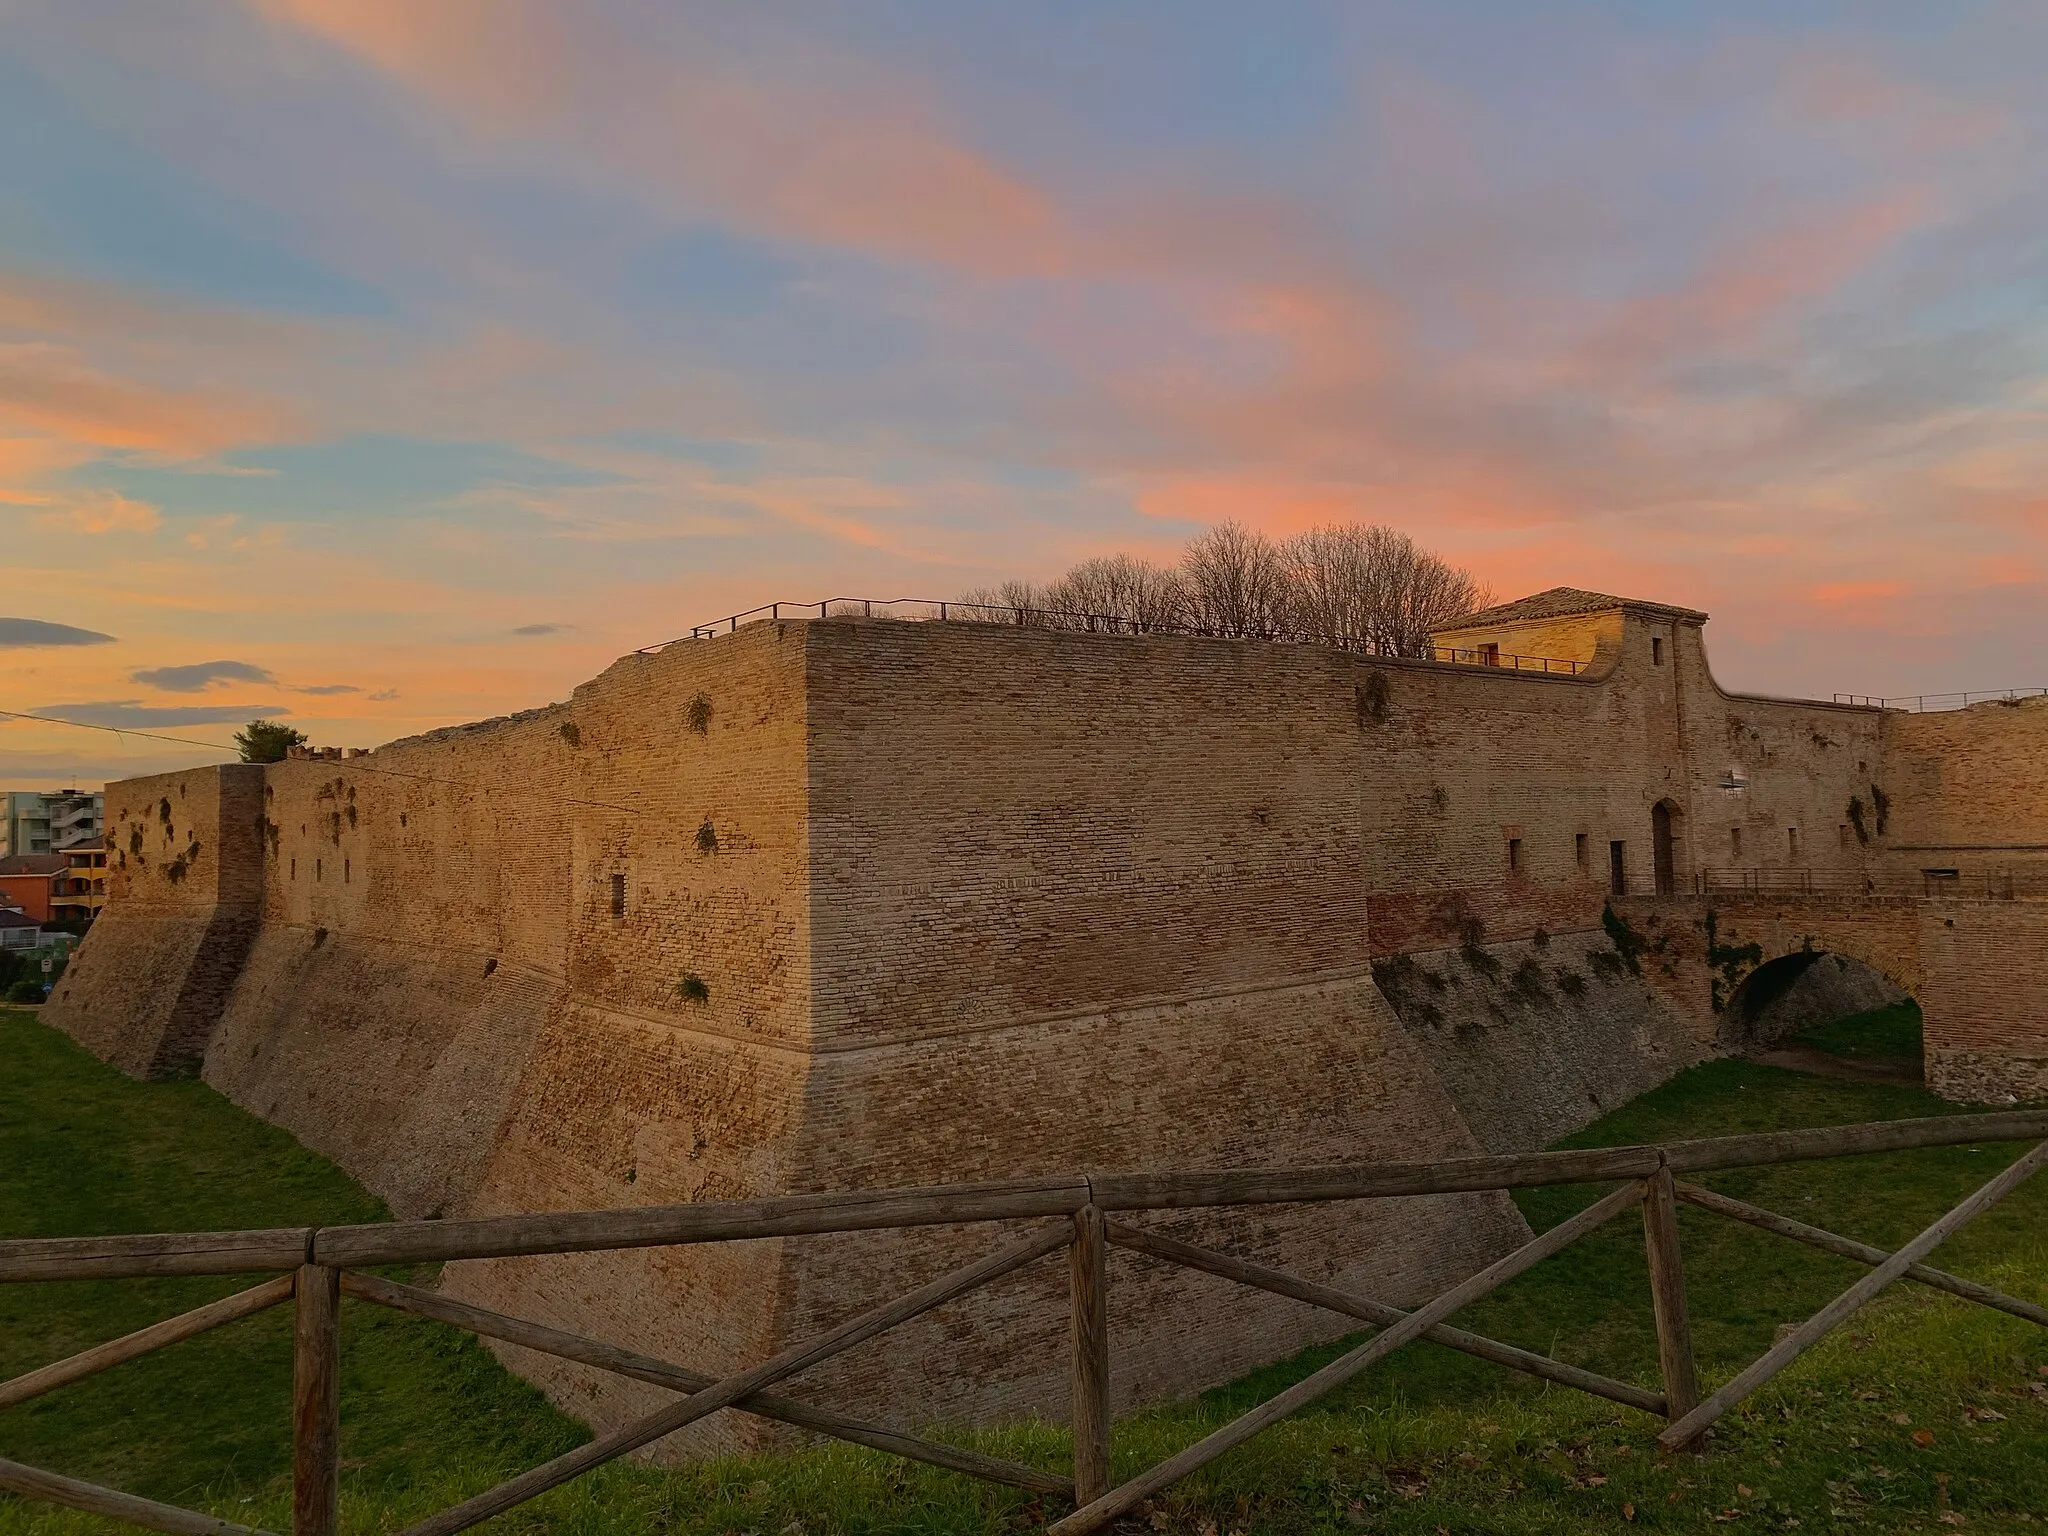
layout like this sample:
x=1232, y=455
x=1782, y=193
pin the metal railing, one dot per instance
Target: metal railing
x=1927, y=703
x=315, y=1267
x=921, y=610
x=2001, y=884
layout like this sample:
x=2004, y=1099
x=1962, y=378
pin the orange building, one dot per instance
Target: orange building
x=35, y=883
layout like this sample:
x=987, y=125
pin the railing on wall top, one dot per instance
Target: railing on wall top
x=2005, y=883
x=1927, y=703
x=315, y=1267
x=921, y=610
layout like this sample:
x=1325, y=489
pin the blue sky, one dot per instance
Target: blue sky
x=345, y=340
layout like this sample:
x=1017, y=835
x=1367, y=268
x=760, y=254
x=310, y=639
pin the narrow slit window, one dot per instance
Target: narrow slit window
x=318, y=867
x=1842, y=832
x=1579, y=849
x=1735, y=842
x=1656, y=650
x=1617, y=867
x=345, y=871
x=618, y=895
x=295, y=869
x=1514, y=855
x=1792, y=841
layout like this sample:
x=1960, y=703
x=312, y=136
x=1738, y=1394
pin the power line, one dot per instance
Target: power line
x=356, y=765
x=87, y=725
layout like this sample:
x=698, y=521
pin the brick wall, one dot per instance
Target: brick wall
x=857, y=903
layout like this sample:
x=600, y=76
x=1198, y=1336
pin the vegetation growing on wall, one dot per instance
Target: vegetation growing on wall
x=693, y=989
x=1472, y=947
x=1882, y=804
x=1628, y=944
x=1528, y=983
x=1856, y=818
x=700, y=714
x=1403, y=983
x=1373, y=696
x=568, y=732
x=1729, y=963
x=707, y=837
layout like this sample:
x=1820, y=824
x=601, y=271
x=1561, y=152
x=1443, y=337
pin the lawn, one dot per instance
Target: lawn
x=1923, y=1414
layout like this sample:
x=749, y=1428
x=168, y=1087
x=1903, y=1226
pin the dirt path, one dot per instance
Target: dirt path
x=1804, y=1058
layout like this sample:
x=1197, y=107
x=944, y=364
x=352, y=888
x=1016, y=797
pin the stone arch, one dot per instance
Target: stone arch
x=1801, y=989
x=1882, y=935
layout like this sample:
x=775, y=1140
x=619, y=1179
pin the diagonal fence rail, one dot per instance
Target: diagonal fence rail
x=314, y=1267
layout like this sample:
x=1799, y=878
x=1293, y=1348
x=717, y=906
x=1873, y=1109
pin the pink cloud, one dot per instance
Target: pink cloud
x=846, y=154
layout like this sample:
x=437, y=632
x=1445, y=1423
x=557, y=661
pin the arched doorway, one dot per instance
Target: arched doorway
x=1664, y=819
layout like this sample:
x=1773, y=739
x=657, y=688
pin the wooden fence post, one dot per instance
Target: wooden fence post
x=1088, y=1274
x=1667, y=1295
x=316, y=1403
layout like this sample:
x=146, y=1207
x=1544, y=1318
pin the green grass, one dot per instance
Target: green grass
x=1889, y=1034
x=1430, y=1441
x=85, y=1150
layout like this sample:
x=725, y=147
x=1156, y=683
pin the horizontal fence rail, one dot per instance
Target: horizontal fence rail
x=923, y=610
x=316, y=1267
x=1925, y=703
x=2004, y=883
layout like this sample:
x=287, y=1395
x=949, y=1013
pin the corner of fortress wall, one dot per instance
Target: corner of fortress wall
x=847, y=904
x=146, y=989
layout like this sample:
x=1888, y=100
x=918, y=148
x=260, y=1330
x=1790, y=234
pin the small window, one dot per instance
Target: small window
x=1579, y=850
x=317, y=867
x=1617, y=868
x=618, y=895
x=295, y=869
x=1792, y=841
x=344, y=871
x=1656, y=650
x=1735, y=841
x=1514, y=855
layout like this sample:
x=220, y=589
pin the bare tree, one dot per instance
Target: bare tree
x=1014, y=602
x=1237, y=582
x=1121, y=587
x=1370, y=587
x=1363, y=586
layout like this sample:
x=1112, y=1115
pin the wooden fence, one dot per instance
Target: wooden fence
x=315, y=1267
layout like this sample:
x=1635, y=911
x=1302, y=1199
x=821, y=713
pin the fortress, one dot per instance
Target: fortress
x=851, y=902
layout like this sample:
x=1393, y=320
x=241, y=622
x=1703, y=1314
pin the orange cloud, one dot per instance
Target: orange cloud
x=840, y=154
x=1752, y=284
x=49, y=389
x=108, y=513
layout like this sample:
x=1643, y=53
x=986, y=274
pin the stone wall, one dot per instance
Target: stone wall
x=185, y=892
x=1534, y=1038
x=850, y=903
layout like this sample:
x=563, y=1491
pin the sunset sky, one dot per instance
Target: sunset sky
x=380, y=365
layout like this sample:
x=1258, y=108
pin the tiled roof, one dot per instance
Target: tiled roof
x=14, y=917
x=33, y=864
x=1560, y=603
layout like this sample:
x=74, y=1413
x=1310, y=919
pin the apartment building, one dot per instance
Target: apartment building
x=50, y=820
